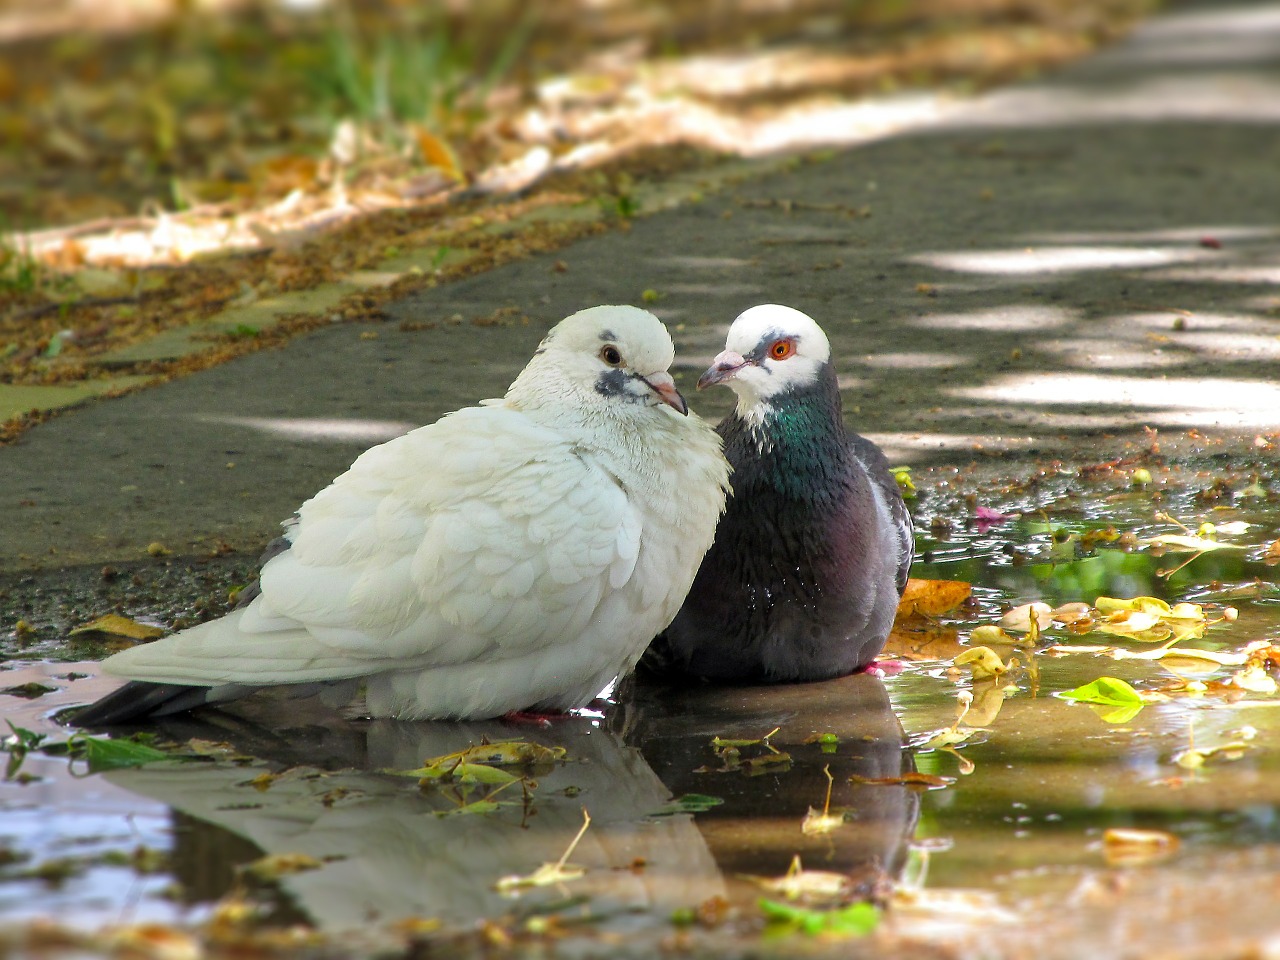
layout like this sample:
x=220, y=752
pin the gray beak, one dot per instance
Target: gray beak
x=724, y=367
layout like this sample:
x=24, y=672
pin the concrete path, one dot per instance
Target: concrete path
x=1037, y=273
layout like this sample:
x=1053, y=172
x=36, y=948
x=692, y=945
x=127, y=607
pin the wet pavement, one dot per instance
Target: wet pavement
x=1033, y=279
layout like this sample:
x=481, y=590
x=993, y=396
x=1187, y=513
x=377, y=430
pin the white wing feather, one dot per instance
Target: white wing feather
x=480, y=536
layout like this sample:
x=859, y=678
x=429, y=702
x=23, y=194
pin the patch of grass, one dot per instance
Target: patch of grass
x=426, y=69
x=20, y=272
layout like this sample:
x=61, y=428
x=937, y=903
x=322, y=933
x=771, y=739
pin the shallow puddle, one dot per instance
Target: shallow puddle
x=701, y=800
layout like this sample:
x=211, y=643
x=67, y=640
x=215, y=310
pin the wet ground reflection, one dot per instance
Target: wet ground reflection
x=1007, y=845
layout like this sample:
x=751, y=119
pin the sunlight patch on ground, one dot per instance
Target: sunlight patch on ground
x=916, y=360
x=1050, y=260
x=1184, y=401
x=1191, y=235
x=1234, y=35
x=321, y=430
x=1112, y=354
x=1015, y=317
x=1258, y=273
x=901, y=445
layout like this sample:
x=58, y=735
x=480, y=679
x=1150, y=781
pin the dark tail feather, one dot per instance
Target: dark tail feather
x=140, y=700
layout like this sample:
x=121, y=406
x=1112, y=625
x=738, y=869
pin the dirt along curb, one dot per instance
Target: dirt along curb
x=1035, y=275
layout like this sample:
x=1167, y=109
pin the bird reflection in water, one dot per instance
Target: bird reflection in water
x=385, y=854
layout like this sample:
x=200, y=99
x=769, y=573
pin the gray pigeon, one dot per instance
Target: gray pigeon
x=515, y=555
x=813, y=552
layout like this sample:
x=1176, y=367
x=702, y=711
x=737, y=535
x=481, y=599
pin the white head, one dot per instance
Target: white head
x=603, y=357
x=770, y=349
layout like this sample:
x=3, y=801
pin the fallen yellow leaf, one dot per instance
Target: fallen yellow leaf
x=1131, y=847
x=983, y=661
x=114, y=625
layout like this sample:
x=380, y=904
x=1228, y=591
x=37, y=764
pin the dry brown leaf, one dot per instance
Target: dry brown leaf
x=272, y=868
x=436, y=153
x=931, y=598
x=1272, y=556
x=920, y=639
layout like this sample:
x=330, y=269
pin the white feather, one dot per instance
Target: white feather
x=518, y=553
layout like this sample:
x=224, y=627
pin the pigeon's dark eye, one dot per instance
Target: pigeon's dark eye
x=782, y=349
x=610, y=355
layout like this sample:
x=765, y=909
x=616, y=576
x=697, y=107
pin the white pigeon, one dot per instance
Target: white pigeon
x=515, y=555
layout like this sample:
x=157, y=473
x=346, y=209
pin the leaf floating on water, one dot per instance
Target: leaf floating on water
x=1272, y=556
x=114, y=625
x=809, y=886
x=827, y=741
x=918, y=639
x=817, y=822
x=503, y=753
x=481, y=763
x=1019, y=618
x=271, y=868
x=947, y=737
x=990, y=633
x=1186, y=543
x=103, y=754
x=822, y=821
x=928, y=781
x=1177, y=654
x=1109, y=691
x=776, y=762
x=559, y=872
x=689, y=803
x=720, y=743
x=931, y=598
x=1131, y=847
x=1135, y=625
x=1114, y=700
x=984, y=662
x=464, y=773
x=1152, y=606
x=1193, y=758
x=1255, y=679
x=1070, y=613
x=28, y=691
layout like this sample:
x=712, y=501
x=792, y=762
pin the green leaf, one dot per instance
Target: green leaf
x=463, y=773
x=103, y=754
x=475, y=806
x=689, y=803
x=1110, y=714
x=856, y=920
x=1107, y=691
x=24, y=739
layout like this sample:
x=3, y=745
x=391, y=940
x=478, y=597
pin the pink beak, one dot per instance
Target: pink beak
x=665, y=387
x=724, y=367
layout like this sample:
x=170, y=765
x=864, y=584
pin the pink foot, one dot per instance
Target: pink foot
x=886, y=668
x=537, y=719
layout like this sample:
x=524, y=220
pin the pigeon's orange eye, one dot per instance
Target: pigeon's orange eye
x=782, y=349
x=610, y=355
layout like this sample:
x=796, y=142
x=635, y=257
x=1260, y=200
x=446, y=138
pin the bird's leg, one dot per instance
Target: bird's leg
x=537, y=718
